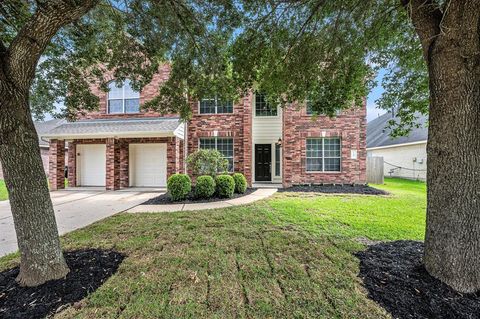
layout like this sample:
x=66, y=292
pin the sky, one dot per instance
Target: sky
x=372, y=111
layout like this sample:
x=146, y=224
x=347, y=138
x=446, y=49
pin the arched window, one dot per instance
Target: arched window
x=123, y=99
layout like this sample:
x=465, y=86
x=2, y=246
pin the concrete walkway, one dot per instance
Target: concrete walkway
x=75, y=209
x=247, y=199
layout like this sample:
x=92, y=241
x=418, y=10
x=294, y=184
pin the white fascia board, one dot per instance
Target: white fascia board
x=396, y=145
x=107, y=135
x=180, y=131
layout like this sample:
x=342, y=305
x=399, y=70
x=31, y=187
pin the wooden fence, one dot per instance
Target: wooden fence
x=375, y=170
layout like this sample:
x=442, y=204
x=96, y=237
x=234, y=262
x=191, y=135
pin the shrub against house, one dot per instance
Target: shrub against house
x=121, y=145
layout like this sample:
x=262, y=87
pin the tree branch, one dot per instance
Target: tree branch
x=426, y=17
x=32, y=39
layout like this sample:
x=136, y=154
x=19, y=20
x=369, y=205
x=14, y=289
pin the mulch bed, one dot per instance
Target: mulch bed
x=191, y=199
x=89, y=269
x=395, y=278
x=335, y=189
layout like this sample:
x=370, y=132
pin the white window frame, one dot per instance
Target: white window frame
x=216, y=106
x=278, y=160
x=263, y=116
x=216, y=138
x=323, y=155
x=122, y=99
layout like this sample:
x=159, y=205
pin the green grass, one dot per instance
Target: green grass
x=287, y=257
x=3, y=190
x=400, y=215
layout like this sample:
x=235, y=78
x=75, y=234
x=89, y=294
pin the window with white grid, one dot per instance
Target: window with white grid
x=123, y=99
x=323, y=155
x=215, y=106
x=222, y=144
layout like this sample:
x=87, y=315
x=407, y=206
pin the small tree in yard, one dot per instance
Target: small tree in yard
x=207, y=162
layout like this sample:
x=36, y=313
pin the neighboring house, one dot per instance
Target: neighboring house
x=42, y=127
x=119, y=146
x=404, y=156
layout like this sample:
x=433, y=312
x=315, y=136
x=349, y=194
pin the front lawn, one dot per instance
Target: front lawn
x=287, y=257
x=3, y=190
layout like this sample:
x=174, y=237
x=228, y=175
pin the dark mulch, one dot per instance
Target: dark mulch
x=335, y=189
x=165, y=198
x=89, y=269
x=395, y=278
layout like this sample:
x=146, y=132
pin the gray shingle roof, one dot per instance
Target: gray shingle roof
x=378, y=135
x=115, y=126
x=43, y=127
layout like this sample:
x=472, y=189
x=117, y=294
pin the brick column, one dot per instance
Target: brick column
x=287, y=149
x=171, y=156
x=56, y=164
x=72, y=164
x=247, y=137
x=124, y=164
x=113, y=165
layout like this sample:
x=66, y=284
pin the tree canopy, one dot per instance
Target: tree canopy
x=326, y=52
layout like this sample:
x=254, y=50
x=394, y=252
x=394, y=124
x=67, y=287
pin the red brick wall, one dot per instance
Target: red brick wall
x=350, y=126
x=57, y=164
x=237, y=125
x=148, y=92
x=117, y=158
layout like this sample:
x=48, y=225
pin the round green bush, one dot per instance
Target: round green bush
x=225, y=185
x=205, y=187
x=179, y=186
x=240, y=183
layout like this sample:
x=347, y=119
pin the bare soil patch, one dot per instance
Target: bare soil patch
x=89, y=269
x=335, y=189
x=165, y=199
x=395, y=278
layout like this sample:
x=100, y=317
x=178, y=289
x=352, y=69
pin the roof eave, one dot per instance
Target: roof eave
x=396, y=145
x=71, y=136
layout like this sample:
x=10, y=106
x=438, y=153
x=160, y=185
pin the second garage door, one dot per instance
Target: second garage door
x=148, y=165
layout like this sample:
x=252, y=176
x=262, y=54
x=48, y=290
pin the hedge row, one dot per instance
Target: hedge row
x=179, y=186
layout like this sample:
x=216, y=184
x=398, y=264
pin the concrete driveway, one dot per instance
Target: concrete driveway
x=76, y=209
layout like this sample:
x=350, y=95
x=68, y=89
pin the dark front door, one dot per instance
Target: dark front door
x=263, y=162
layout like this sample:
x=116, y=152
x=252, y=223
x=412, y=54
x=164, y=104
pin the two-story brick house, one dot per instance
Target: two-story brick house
x=119, y=146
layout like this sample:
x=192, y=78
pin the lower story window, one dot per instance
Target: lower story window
x=323, y=154
x=222, y=144
x=277, y=159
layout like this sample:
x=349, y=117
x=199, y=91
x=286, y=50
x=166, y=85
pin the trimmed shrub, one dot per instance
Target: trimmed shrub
x=179, y=186
x=225, y=185
x=207, y=162
x=240, y=183
x=205, y=187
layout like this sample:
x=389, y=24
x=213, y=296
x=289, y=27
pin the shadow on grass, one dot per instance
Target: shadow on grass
x=89, y=269
x=395, y=277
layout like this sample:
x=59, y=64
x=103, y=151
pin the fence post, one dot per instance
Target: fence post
x=375, y=170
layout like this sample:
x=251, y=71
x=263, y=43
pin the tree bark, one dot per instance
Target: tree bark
x=451, y=45
x=32, y=210
x=37, y=235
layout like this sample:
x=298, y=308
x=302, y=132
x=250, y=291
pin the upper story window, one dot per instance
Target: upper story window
x=215, y=106
x=123, y=99
x=262, y=107
x=310, y=110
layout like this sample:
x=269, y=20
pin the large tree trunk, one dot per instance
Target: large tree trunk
x=32, y=210
x=452, y=242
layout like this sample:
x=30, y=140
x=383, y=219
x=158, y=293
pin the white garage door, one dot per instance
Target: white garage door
x=91, y=164
x=148, y=165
